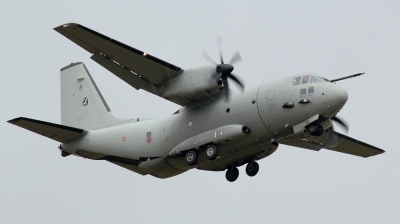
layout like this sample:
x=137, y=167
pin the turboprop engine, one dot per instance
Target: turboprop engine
x=191, y=84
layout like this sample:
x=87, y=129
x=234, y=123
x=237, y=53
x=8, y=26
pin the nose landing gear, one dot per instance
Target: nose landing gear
x=316, y=129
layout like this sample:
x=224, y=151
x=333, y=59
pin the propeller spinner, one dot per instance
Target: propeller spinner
x=224, y=71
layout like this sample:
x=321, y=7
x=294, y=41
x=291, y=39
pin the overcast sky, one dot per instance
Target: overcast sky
x=275, y=38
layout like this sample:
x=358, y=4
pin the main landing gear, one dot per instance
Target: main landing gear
x=233, y=173
x=192, y=156
x=252, y=169
x=211, y=152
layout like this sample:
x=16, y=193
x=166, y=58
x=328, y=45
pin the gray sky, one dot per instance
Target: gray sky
x=275, y=38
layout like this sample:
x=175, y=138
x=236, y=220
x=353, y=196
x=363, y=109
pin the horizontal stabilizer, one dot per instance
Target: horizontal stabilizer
x=344, y=144
x=56, y=132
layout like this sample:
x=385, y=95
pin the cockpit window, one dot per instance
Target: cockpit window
x=317, y=79
x=296, y=81
x=305, y=79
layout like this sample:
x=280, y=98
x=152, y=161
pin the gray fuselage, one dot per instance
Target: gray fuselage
x=260, y=108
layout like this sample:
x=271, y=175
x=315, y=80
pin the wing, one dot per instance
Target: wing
x=135, y=67
x=60, y=133
x=343, y=144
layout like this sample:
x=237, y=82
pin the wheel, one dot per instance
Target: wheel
x=191, y=157
x=232, y=175
x=211, y=152
x=316, y=129
x=312, y=129
x=320, y=130
x=253, y=169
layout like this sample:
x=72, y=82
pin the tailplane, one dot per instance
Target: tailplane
x=82, y=105
x=60, y=133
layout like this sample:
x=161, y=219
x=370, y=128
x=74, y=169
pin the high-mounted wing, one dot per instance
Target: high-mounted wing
x=135, y=67
x=341, y=143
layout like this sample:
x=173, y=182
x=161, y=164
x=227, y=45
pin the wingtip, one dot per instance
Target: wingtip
x=64, y=26
x=15, y=120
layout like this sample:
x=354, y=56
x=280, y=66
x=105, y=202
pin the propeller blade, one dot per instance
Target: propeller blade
x=332, y=137
x=223, y=71
x=237, y=81
x=343, y=123
x=226, y=88
x=208, y=57
x=235, y=58
x=332, y=134
x=219, y=43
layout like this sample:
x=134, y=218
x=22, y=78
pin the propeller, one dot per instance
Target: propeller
x=224, y=71
x=332, y=134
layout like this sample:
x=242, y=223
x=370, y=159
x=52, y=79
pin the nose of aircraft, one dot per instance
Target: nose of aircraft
x=338, y=98
x=342, y=94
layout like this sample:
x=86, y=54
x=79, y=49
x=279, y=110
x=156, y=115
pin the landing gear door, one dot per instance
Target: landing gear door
x=166, y=137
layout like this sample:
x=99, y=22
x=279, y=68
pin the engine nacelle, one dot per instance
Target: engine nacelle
x=191, y=84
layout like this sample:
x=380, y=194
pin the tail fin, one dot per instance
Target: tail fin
x=82, y=105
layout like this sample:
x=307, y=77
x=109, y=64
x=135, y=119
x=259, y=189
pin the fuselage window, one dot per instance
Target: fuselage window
x=311, y=91
x=296, y=81
x=305, y=79
x=148, y=137
x=303, y=93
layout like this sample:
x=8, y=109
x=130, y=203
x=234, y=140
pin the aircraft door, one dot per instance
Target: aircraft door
x=272, y=99
x=166, y=137
x=268, y=108
x=265, y=101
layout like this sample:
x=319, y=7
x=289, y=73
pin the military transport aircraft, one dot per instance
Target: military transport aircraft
x=216, y=129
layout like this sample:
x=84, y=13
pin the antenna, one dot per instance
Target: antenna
x=347, y=77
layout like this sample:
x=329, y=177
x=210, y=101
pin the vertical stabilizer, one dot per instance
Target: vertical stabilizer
x=82, y=105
